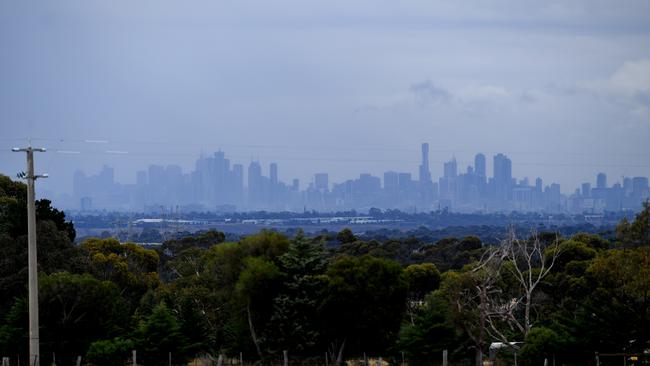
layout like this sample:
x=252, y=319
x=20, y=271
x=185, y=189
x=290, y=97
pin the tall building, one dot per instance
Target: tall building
x=447, y=184
x=405, y=181
x=391, y=182
x=321, y=181
x=274, y=188
x=255, y=184
x=237, y=184
x=502, y=178
x=425, y=173
x=601, y=180
x=451, y=169
x=479, y=165
x=502, y=168
x=586, y=189
x=141, y=178
x=273, y=173
x=219, y=178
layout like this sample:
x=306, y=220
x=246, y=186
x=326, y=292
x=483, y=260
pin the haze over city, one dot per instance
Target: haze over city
x=344, y=88
x=324, y=182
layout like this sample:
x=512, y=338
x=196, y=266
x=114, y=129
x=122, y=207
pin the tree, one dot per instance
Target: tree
x=528, y=262
x=14, y=336
x=430, y=333
x=362, y=303
x=111, y=352
x=76, y=310
x=619, y=300
x=636, y=233
x=13, y=210
x=257, y=286
x=421, y=279
x=54, y=237
x=540, y=343
x=468, y=294
x=131, y=267
x=158, y=335
x=295, y=317
x=56, y=251
x=346, y=236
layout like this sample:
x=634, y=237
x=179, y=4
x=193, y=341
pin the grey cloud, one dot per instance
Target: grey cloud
x=427, y=93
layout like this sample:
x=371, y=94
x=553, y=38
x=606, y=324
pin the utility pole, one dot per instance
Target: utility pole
x=34, y=352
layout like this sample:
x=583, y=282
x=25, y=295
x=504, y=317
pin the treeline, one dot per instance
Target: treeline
x=564, y=297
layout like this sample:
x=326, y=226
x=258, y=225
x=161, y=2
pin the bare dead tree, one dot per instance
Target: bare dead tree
x=529, y=262
x=472, y=296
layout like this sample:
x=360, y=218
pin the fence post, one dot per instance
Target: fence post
x=135, y=358
x=327, y=363
x=170, y=359
x=285, y=353
x=444, y=357
x=241, y=358
x=78, y=361
x=5, y=361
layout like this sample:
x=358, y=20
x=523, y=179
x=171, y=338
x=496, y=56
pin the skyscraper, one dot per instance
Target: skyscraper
x=447, y=184
x=321, y=181
x=451, y=169
x=601, y=180
x=255, y=183
x=502, y=177
x=391, y=182
x=273, y=173
x=479, y=165
x=237, y=185
x=425, y=173
x=273, y=183
x=502, y=169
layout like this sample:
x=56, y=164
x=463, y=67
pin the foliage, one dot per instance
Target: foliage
x=14, y=334
x=421, y=279
x=540, y=343
x=346, y=236
x=54, y=241
x=111, y=352
x=158, y=335
x=432, y=331
x=636, y=233
x=363, y=302
x=75, y=310
x=131, y=267
x=344, y=294
x=295, y=317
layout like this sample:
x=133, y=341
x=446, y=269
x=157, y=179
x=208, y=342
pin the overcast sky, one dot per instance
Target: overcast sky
x=562, y=87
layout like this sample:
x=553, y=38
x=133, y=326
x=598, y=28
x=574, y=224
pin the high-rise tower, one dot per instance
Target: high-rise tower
x=425, y=173
x=479, y=165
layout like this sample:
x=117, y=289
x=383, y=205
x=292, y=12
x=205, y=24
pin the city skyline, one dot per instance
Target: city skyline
x=218, y=183
x=561, y=88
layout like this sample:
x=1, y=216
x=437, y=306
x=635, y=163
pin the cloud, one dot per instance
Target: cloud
x=629, y=86
x=427, y=93
x=632, y=77
x=484, y=93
